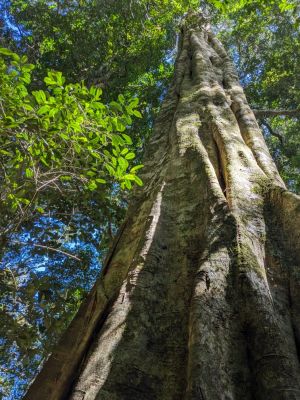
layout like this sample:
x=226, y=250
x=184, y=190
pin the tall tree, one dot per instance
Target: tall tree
x=200, y=294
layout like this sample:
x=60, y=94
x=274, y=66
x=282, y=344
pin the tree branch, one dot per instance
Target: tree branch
x=274, y=113
x=48, y=248
x=272, y=132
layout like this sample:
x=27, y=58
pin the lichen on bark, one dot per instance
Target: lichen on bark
x=200, y=296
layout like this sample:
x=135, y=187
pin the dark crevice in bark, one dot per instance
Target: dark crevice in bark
x=246, y=333
x=295, y=328
x=113, y=248
x=219, y=172
x=225, y=84
x=191, y=65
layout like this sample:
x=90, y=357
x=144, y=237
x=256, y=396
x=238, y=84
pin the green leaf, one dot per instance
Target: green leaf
x=117, y=140
x=96, y=155
x=25, y=77
x=5, y=152
x=130, y=156
x=24, y=59
x=121, y=99
x=114, y=161
x=127, y=138
x=28, y=173
x=119, y=126
x=7, y=52
x=116, y=105
x=40, y=96
x=100, y=180
x=98, y=106
x=64, y=136
x=96, y=92
x=53, y=112
x=24, y=201
x=92, y=185
x=49, y=81
x=285, y=6
x=110, y=169
x=28, y=107
x=138, y=180
x=65, y=178
x=43, y=110
x=137, y=167
x=131, y=177
x=44, y=161
x=133, y=103
x=137, y=113
x=123, y=163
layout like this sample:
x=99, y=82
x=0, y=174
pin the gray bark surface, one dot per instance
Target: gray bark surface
x=200, y=295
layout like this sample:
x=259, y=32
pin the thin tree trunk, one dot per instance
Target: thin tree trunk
x=200, y=296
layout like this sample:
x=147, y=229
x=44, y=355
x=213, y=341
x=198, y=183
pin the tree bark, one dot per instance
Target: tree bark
x=200, y=296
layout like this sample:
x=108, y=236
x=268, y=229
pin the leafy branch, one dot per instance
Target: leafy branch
x=62, y=138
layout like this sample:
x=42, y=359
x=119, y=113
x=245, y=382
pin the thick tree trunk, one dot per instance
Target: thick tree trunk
x=200, y=296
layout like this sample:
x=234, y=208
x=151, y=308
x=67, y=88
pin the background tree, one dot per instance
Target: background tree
x=58, y=36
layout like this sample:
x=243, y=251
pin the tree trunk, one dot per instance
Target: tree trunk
x=200, y=296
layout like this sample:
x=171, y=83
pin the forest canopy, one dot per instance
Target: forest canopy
x=81, y=85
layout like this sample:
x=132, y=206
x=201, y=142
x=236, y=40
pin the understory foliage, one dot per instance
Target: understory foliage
x=70, y=152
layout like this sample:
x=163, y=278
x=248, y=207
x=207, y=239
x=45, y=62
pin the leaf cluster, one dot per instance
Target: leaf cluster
x=62, y=138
